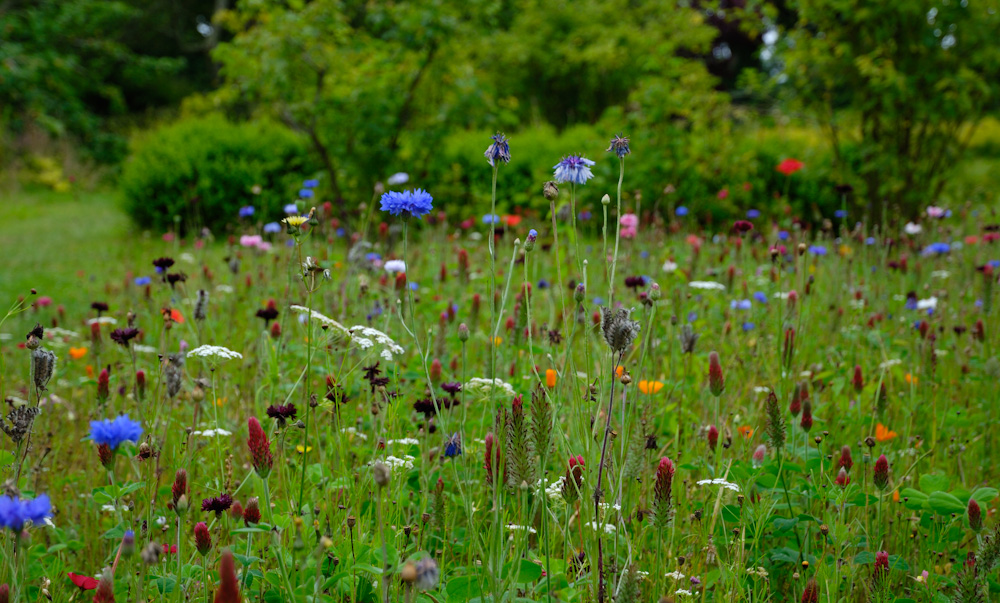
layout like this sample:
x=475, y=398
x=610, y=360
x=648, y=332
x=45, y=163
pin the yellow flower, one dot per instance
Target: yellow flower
x=497, y=340
x=295, y=221
x=77, y=353
x=221, y=401
x=300, y=449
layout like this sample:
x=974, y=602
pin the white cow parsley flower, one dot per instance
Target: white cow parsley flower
x=216, y=352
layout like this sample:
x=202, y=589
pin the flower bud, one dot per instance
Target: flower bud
x=716, y=381
x=579, y=293
x=606, y=199
x=881, y=473
x=202, y=539
x=529, y=243
x=975, y=515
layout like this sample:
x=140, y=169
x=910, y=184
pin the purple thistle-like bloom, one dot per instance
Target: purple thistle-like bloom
x=574, y=169
x=499, y=150
x=414, y=203
x=217, y=504
x=15, y=512
x=113, y=433
x=619, y=145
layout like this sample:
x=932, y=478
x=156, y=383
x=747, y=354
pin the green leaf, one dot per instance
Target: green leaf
x=783, y=524
x=913, y=499
x=985, y=495
x=526, y=571
x=864, y=558
x=462, y=589
x=945, y=503
x=934, y=482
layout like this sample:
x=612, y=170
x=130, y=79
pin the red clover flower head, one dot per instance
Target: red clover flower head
x=260, y=449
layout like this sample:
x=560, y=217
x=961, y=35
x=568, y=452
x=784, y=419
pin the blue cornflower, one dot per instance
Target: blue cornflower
x=783, y=235
x=937, y=249
x=870, y=241
x=761, y=297
x=598, y=301
x=584, y=215
x=748, y=326
x=306, y=193
x=340, y=232
x=740, y=304
x=840, y=213
x=817, y=250
x=414, y=203
x=453, y=446
x=994, y=263
x=373, y=257
x=574, y=169
x=619, y=145
x=291, y=243
x=753, y=214
x=312, y=183
x=911, y=303
x=414, y=286
x=499, y=150
x=692, y=316
x=113, y=433
x=491, y=219
x=246, y=211
x=142, y=281
x=272, y=228
x=291, y=208
x=644, y=254
x=681, y=211
x=15, y=512
x=543, y=284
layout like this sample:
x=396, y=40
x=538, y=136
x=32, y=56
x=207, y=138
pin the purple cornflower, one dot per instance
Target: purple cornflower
x=246, y=211
x=619, y=145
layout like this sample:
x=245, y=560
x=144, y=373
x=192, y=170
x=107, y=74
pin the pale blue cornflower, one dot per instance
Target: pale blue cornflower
x=246, y=211
x=272, y=228
x=291, y=209
x=575, y=169
x=499, y=150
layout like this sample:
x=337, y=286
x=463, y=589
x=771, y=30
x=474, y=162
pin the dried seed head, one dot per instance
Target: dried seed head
x=618, y=328
x=43, y=364
x=381, y=473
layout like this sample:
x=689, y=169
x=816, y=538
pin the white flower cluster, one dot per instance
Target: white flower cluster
x=707, y=285
x=353, y=432
x=211, y=433
x=214, y=351
x=609, y=528
x=395, y=462
x=482, y=387
x=102, y=320
x=720, y=482
x=675, y=575
x=515, y=527
x=323, y=319
x=405, y=442
x=367, y=337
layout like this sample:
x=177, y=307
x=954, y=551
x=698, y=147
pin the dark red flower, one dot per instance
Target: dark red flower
x=251, y=513
x=260, y=449
x=202, y=539
x=229, y=588
x=716, y=381
x=881, y=473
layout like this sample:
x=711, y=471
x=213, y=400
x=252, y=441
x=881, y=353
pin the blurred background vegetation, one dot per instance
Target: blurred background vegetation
x=186, y=106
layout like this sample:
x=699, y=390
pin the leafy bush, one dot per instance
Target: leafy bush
x=205, y=169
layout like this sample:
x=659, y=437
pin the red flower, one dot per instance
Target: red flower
x=723, y=193
x=83, y=582
x=789, y=166
x=858, y=381
x=202, y=539
x=229, y=588
x=169, y=549
x=716, y=381
x=260, y=448
x=881, y=473
x=713, y=436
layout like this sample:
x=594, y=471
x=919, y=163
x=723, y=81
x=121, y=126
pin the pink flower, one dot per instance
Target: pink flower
x=44, y=301
x=723, y=193
x=251, y=240
x=629, y=225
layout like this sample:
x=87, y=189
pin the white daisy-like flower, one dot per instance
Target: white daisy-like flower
x=145, y=349
x=58, y=332
x=782, y=294
x=709, y=285
x=912, y=229
x=762, y=389
x=927, y=304
x=682, y=592
x=405, y=442
x=890, y=363
x=669, y=266
x=675, y=575
x=214, y=351
x=187, y=257
x=609, y=528
x=103, y=320
x=482, y=387
x=394, y=266
x=108, y=508
x=515, y=527
x=719, y=482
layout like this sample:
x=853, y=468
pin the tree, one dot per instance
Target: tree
x=899, y=88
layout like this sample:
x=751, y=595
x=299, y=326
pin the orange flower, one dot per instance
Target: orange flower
x=746, y=431
x=911, y=379
x=176, y=316
x=512, y=220
x=895, y=496
x=884, y=434
x=550, y=378
x=77, y=353
x=650, y=387
x=619, y=370
x=90, y=371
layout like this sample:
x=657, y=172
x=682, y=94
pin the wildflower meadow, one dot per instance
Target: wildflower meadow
x=395, y=400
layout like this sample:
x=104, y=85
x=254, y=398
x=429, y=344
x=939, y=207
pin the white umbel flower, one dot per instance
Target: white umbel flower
x=708, y=285
x=720, y=482
x=482, y=387
x=216, y=352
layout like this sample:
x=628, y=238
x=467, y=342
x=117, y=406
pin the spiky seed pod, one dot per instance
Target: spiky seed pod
x=173, y=370
x=260, y=448
x=229, y=588
x=106, y=456
x=21, y=419
x=881, y=473
x=775, y=422
x=519, y=446
x=975, y=515
x=618, y=328
x=630, y=590
x=716, y=382
x=541, y=423
x=632, y=468
x=662, y=493
x=43, y=365
x=201, y=305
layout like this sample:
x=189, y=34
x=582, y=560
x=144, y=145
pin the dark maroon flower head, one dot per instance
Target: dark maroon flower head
x=202, y=539
x=123, y=336
x=99, y=307
x=742, y=226
x=881, y=564
x=634, y=282
x=451, y=387
x=251, y=513
x=806, y=422
x=713, y=436
x=881, y=473
x=845, y=458
x=858, y=381
x=282, y=412
x=811, y=592
x=163, y=263
x=975, y=515
x=217, y=504
x=269, y=312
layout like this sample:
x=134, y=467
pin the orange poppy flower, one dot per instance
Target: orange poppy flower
x=512, y=220
x=650, y=387
x=619, y=370
x=77, y=353
x=911, y=379
x=895, y=496
x=550, y=378
x=883, y=433
x=90, y=371
x=176, y=316
x=746, y=431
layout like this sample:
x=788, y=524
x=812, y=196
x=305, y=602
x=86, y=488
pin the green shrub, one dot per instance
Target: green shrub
x=204, y=169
